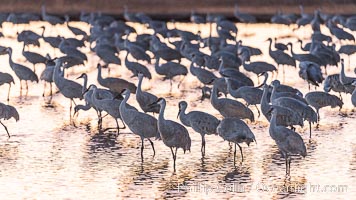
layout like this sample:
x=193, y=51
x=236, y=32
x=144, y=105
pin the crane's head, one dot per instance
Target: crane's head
x=125, y=92
x=353, y=83
x=182, y=106
x=275, y=83
x=83, y=75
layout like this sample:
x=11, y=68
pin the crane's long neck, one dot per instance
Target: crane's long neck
x=270, y=46
x=84, y=89
x=265, y=106
x=139, y=85
x=214, y=96
x=122, y=107
x=291, y=49
x=274, y=92
x=10, y=59
x=161, y=112
x=221, y=66
x=100, y=78
x=183, y=116
x=229, y=88
x=126, y=57
x=157, y=68
x=273, y=125
x=342, y=73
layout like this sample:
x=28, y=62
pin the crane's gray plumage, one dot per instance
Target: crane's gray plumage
x=6, y=78
x=345, y=80
x=285, y=116
x=289, y=142
x=115, y=84
x=236, y=131
x=22, y=72
x=230, y=108
x=68, y=88
x=146, y=100
x=201, y=122
x=322, y=99
x=7, y=112
x=310, y=72
x=173, y=134
x=139, y=123
x=284, y=93
x=301, y=108
x=137, y=68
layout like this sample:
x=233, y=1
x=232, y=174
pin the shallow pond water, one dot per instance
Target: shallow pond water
x=49, y=158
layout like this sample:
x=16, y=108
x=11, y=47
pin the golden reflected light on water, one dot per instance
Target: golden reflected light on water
x=47, y=158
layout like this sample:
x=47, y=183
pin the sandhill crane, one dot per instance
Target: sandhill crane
x=169, y=70
x=68, y=88
x=339, y=33
x=259, y=67
x=22, y=72
x=8, y=112
x=280, y=57
x=110, y=106
x=285, y=116
x=173, y=134
x=6, y=78
x=146, y=100
x=74, y=30
x=332, y=82
x=289, y=142
x=251, y=95
x=33, y=57
x=304, y=57
x=275, y=94
x=322, y=99
x=310, y=72
x=204, y=76
x=47, y=74
x=345, y=80
x=230, y=108
x=301, y=108
x=348, y=50
x=29, y=37
x=280, y=46
x=116, y=85
x=306, y=47
x=134, y=119
x=137, y=68
x=53, y=41
x=236, y=131
x=201, y=122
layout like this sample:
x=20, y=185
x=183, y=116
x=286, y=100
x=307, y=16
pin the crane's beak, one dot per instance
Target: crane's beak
x=179, y=113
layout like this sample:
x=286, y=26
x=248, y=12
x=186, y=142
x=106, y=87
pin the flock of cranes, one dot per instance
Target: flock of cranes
x=214, y=61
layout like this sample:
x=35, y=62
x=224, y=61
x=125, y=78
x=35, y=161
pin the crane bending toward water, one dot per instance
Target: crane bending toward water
x=289, y=142
x=6, y=78
x=134, y=120
x=230, y=108
x=173, y=134
x=201, y=122
x=319, y=100
x=236, y=131
x=22, y=72
x=8, y=112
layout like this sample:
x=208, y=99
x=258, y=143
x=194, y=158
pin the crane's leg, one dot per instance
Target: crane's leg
x=340, y=96
x=142, y=147
x=258, y=110
x=170, y=89
x=202, y=145
x=34, y=68
x=8, y=134
x=51, y=94
x=174, y=159
x=153, y=147
x=180, y=82
x=123, y=124
x=290, y=161
x=286, y=160
x=309, y=130
x=26, y=88
x=235, y=155
x=44, y=89
x=117, y=126
x=242, y=155
x=70, y=111
x=318, y=119
x=20, y=88
x=8, y=93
